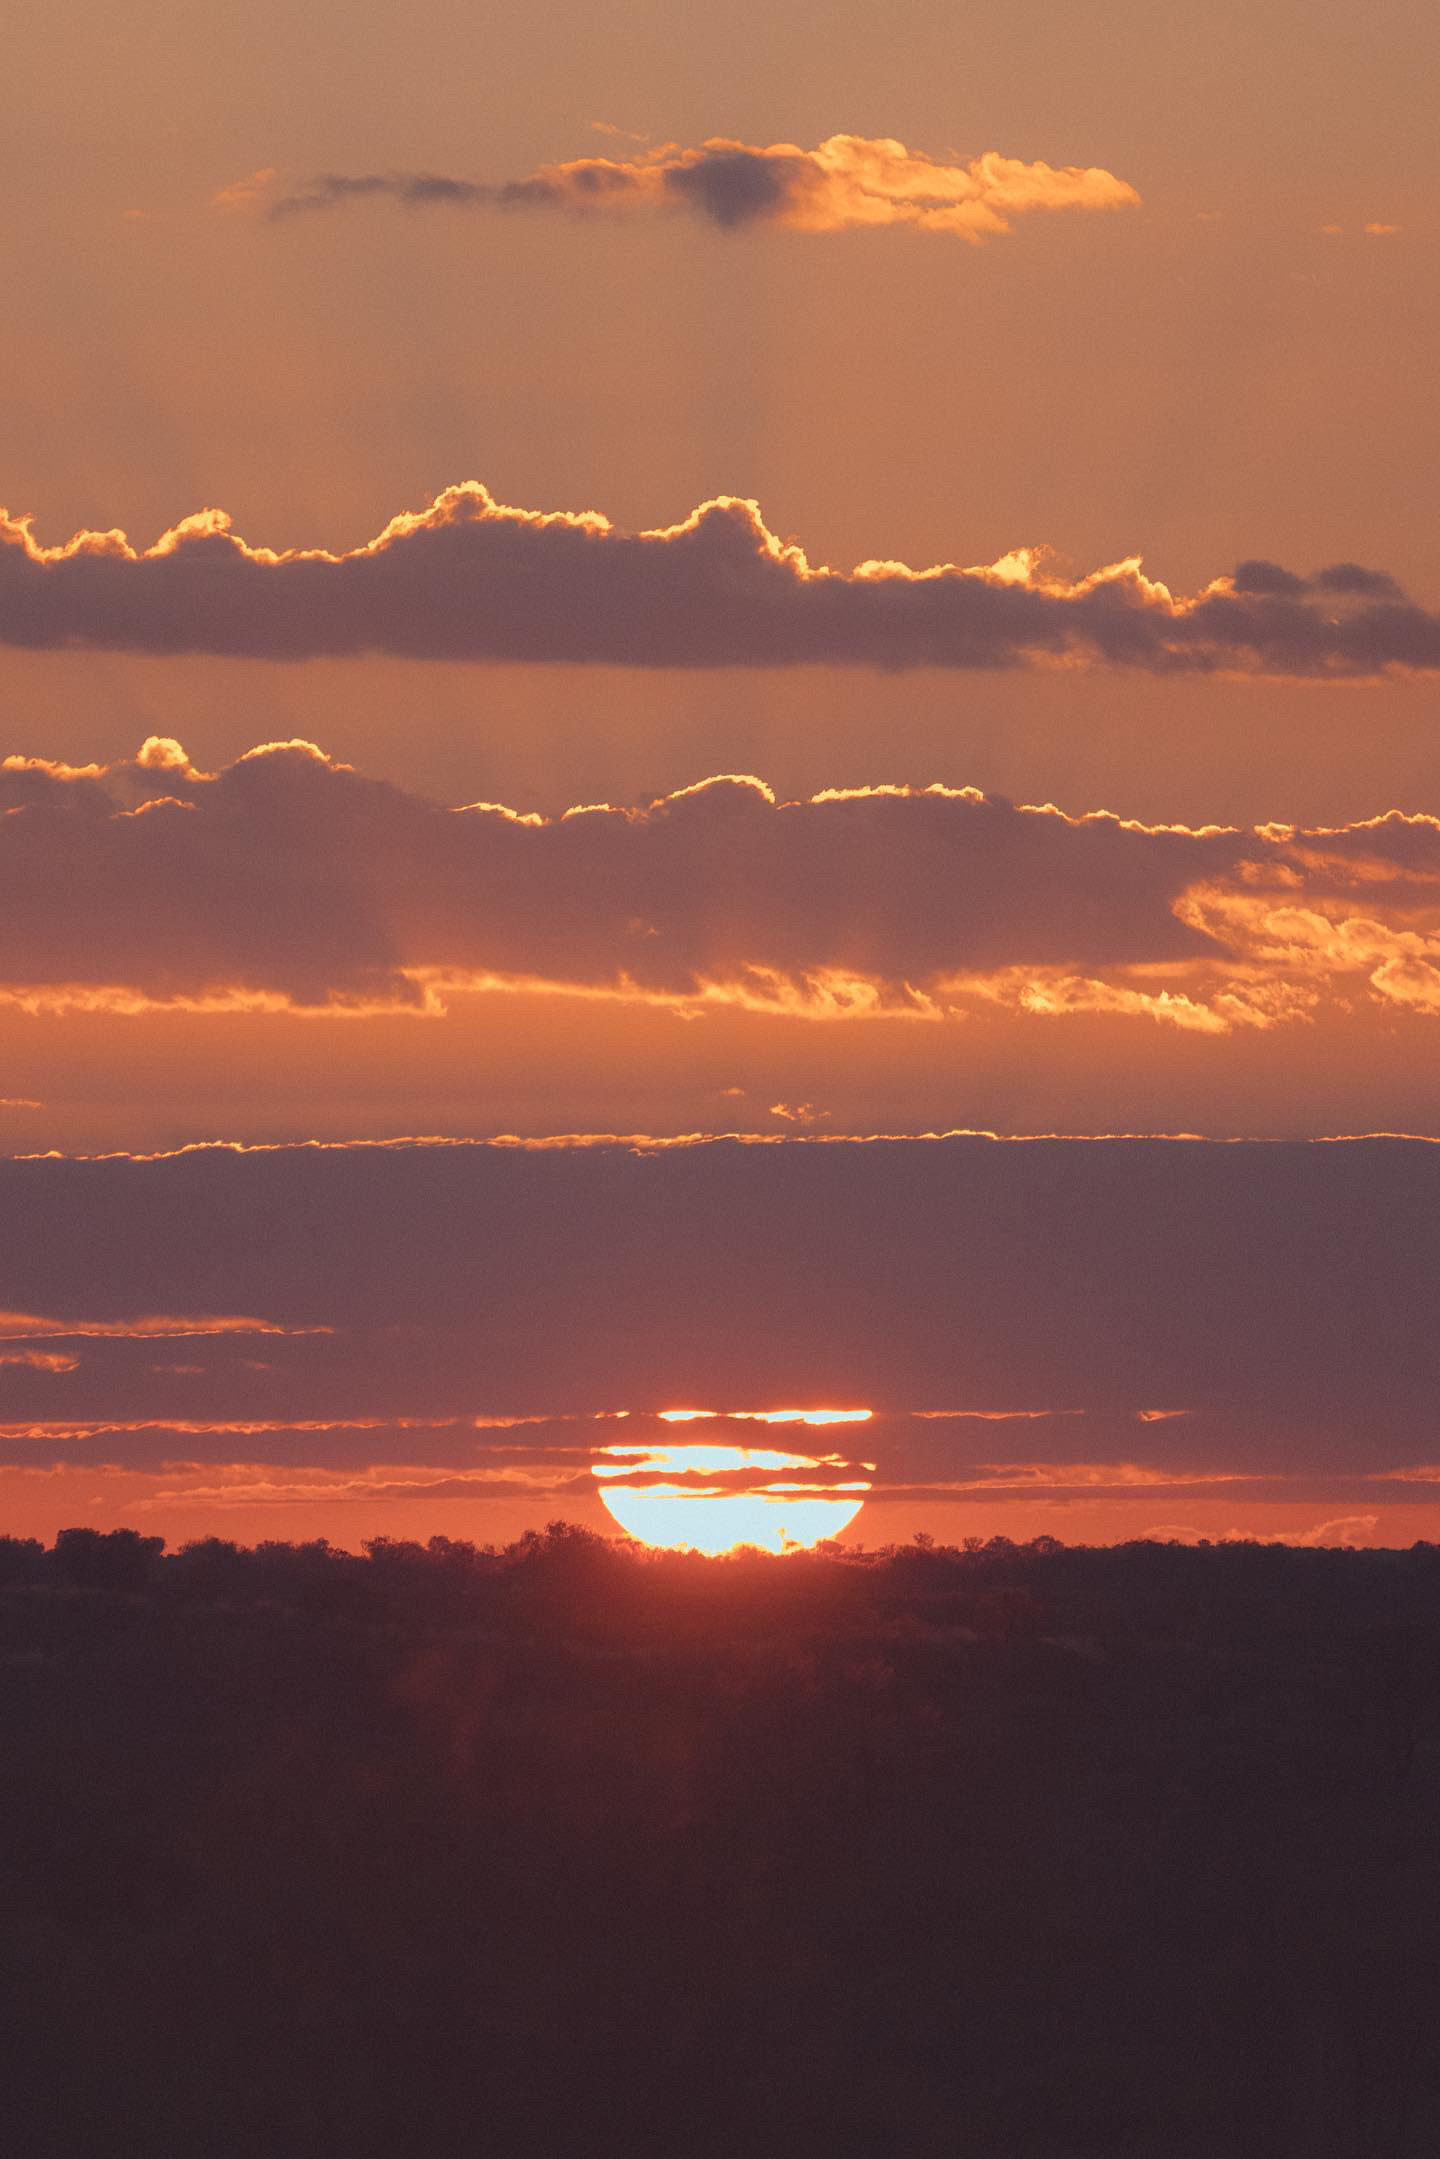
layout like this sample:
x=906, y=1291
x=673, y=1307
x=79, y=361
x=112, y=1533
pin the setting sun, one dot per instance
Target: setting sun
x=704, y=1496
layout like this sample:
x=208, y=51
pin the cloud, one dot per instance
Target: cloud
x=286, y=881
x=1349, y=1532
x=240, y=194
x=846, y=181
x=1406, y=980
x=1091, y=1476
x=1347, y=1529
x=469, y=578
x=994, y=1416
x=140, y=1326
x=1054, y=993
x=618, y=134
x=381, y=1481
x=427, y=1296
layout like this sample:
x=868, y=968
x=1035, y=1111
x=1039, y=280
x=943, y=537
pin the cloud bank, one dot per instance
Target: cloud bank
x=286, y=880
x=470, y=578
x=846, y=181
x=419, y=1300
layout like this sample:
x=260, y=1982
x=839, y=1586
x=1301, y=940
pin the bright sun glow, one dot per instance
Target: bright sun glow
x=701, y=1496
x=768, y=1416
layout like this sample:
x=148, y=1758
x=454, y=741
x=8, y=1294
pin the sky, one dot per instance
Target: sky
x=596, y=579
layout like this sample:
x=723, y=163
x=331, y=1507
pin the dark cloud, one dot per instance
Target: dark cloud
x=1270, y=1289
x=288, y=878
x=1348, y=580
x=733, y=187
x=416, y=190
x=470, y=579
x=1269, y=579
x=1356, y=582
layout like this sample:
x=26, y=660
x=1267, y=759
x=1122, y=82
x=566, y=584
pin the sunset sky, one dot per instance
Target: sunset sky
x=613, y=622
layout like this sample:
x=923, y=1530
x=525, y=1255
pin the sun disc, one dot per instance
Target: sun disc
x=700, y=1496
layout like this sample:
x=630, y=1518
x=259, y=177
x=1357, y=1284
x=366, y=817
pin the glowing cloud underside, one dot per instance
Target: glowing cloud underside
x=702, y=1496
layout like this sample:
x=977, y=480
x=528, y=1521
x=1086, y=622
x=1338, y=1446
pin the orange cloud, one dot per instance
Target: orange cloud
x=146, y=1327
x=249, y=1484
x=1053, y=995
x=289, y=883
x=241, y=194
x=470, y=578
x=993, y=1416
x=1407, y=979
x=1084, y=1476
x=1348, y=1530
x=846, y=181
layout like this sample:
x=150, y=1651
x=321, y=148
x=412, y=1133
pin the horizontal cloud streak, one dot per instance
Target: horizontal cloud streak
x=848, y=180
x=470, y=578
x=288, y=881
x=143, y=1327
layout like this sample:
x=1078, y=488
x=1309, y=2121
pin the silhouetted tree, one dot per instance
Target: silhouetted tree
x=113, y=1559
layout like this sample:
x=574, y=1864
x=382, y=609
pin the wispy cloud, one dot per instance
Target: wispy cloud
x=1094, y=1476
x=144, y=1326
x=243, y=194
x=1346, y=1530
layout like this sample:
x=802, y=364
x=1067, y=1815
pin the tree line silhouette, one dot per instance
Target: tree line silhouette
x=1013, y=1851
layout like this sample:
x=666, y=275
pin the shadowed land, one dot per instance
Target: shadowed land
x=1013, y=1850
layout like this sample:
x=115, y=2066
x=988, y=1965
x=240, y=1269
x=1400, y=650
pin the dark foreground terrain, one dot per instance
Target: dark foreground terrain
x=1010, y=1853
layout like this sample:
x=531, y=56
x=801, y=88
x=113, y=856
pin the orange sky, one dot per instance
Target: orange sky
x=1122, y=285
